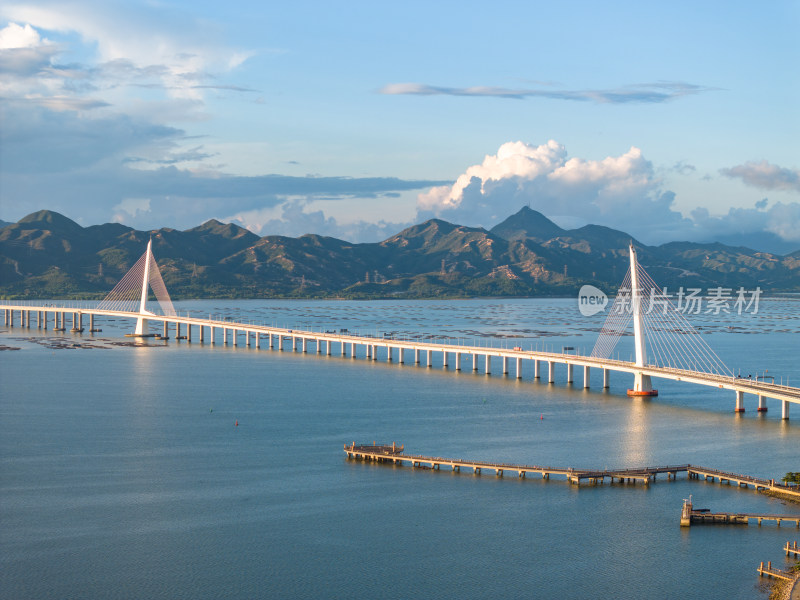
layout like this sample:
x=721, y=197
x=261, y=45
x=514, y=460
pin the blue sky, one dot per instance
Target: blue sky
x=670, y=121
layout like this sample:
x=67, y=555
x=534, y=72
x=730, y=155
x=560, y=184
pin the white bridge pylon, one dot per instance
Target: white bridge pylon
x=132, y=291
x=662, y=336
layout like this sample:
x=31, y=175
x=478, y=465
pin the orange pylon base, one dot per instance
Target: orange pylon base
x=642, y=392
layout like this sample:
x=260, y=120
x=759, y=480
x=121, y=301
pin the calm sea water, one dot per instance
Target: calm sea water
x=123, y=473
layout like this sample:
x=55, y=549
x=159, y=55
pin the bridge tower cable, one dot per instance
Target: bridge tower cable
x=131, y=293
x=642, y=385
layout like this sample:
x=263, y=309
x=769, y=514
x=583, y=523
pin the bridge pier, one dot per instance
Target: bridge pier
x=488, y=369
x=416, y=356
x=375, y=352
x=505, y=365
x=474, y=362
x=258, y=340
x=739, y=401
x=762, y=403
x=246, y=338
x=569, y=373
x=429, y=359
x=203, y=336
x=586, y=377
x=235, y=335
x=177, y=331
x=189, y=333
x=294, y=343
x=536, y=368
x=401, y=355
x=458, y=361
x=444, y=358
x=518, y=370
x=551, y=368
x=225, y=336
x=328, y=348
x=785, y=409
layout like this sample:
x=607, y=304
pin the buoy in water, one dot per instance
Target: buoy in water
x=541, y=418
x=237, y=423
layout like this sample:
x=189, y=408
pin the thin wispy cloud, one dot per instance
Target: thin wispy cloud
x=765, y=176
x=647, y=93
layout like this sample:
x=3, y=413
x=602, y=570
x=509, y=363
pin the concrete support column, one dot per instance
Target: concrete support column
x=258, y=340
x=762, y=403
x=388, y=354
x=739, y=402
x=518, y=370
x=344, y=349
x=551, y=368
x=165, y=333
x=458, y=361
x=225, y=336
x=189, y=333
x=444, y=358
x=38, y=319
x=247, y=338
x=44, y=323
x=505, y=365
x=318, y=343
x=328, y=348
x=353, y=348
x=235, y=335
x=74, y=322
x=430, y=359
x=211, y=335
x=294, y=343
x=785, y=409
x=488, y=365
x=606, y=379
x=569, y=372
x=586, y=377
x=5, y=317
x=368, y=350
x=177, y=330
x=22, y=318
x=416, y=356
x=375, y=352
x=474, y=362
x=203, y=336
x=536, y=369
x=305, y=345
x=401, y=355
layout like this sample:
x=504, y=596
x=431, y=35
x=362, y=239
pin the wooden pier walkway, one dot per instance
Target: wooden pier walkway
x=771, y=571
x=393, y=453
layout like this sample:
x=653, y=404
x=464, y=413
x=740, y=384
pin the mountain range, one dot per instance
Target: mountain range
x=47, y=255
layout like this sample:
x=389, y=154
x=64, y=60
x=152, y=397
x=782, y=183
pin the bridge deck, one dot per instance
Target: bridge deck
x=397, y=347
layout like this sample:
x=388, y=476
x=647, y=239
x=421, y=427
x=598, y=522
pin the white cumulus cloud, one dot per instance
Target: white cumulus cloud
x=619, y=191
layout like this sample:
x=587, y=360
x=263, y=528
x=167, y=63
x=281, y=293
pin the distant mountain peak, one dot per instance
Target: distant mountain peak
x=49, y=219
x=527, y=223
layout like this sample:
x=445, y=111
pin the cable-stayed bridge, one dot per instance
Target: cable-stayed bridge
x=666, y=344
